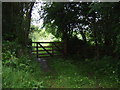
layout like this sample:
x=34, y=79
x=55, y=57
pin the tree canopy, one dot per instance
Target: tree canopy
x=96, y=22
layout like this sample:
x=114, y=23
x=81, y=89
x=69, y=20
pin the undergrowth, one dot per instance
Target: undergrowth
x=25, y=72
x=19, y=72
x=88, y=73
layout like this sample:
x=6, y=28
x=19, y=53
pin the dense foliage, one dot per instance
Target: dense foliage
x=41, y=35
x=19, y=72
x=16, y=21
x=97, y=23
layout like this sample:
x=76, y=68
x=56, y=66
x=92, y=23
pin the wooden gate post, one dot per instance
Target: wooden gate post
x=65, y=48
x=52, y=48
x=37, y=49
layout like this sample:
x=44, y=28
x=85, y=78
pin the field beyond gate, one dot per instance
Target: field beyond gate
x=47, y=49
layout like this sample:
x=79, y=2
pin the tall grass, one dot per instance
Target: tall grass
x=22, y=75
x=13, y=78
x=64, y=73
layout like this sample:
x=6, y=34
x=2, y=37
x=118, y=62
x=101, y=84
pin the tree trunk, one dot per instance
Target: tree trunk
x=65, y=40
x=83, y=36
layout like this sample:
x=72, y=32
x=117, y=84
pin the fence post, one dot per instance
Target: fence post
x=52, y=49
x=37, y=49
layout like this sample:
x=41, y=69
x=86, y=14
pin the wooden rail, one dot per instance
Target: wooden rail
x=40, y=49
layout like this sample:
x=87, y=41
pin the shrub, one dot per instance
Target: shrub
x=19, y=72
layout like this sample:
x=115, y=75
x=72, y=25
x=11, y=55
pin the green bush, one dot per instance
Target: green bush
x=19, y=72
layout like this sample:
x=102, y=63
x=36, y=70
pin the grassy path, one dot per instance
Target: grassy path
x=68, y=74
x=59, y=73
